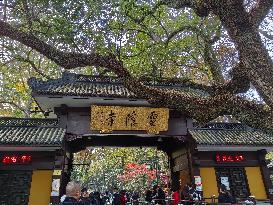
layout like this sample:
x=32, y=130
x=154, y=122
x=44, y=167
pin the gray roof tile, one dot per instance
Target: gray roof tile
x=22, y=132
x=231, y=137
x=92, y=86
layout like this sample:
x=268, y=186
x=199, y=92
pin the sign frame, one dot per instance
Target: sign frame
x=107, y=119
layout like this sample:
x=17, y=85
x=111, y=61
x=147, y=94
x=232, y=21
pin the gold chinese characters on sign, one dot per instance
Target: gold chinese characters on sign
x=109, y=118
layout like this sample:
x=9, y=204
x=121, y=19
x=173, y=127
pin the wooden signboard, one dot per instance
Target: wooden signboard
x=109, y=118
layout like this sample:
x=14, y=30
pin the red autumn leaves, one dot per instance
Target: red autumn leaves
x=133, y=171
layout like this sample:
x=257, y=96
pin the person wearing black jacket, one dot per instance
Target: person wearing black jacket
x=116, y=197
x=224, y=196
x=159, y=195
x=148, y=195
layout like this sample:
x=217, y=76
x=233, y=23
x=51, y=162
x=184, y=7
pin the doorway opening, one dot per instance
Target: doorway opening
x=132, y=169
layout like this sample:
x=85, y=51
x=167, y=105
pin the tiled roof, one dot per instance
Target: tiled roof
x=28, y=122
x=93, y=86
x=231, y=137
x=15, y=131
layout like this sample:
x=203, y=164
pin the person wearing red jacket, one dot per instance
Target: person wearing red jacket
x=175, y=197
x=123, y=198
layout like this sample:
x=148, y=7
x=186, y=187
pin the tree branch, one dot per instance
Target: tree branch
x=200, y=108
x=267, y=35
x=178, y=4
x=13, y=104
x=145, y=31
x=239, y=83
x=205, y=109
x=28, y=15
x=182, y=29
x=32, y=64
x=147, y=13
x=211, y=61
x=70, y=60
x=259, y=12
x=161, y=24
x=253, y=54
x=209, y=56
x=67, y=60
x=201, y=8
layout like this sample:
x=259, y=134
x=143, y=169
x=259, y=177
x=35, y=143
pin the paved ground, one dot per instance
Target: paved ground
x=262, y=203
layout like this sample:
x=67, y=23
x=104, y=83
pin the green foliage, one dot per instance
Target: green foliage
x=151, y=40
x=106, y=167
x=269, y=156
x=21, y=64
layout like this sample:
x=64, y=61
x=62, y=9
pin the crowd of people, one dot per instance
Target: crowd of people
x=75, y=195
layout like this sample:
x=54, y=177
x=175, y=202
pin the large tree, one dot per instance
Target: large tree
x=221, y=47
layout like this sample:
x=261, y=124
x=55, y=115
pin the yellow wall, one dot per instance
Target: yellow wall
x=255, y=182
x=40, y=187
x=209, y=182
